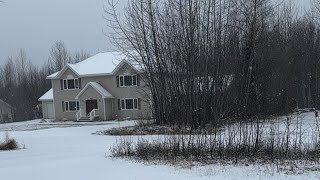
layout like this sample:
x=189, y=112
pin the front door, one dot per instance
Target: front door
x=90, y=105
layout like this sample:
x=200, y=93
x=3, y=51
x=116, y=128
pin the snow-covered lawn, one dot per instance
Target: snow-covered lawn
x=58, y=152
x=45, y=124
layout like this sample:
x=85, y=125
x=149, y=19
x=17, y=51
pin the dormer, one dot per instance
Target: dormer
x=127, y=75
x=70, y=82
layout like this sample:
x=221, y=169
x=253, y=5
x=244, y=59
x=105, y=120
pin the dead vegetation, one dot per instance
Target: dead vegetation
x=150, y=128
x=8, y=144
x=277, y=142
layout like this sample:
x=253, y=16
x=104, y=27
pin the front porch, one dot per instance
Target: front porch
x=95, y=103
x=91, y=116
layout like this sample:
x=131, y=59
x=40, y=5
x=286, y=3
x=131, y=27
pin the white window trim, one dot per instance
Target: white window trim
x=77, y=109
x=134, y=109
x=66, y=88
x=132, y=80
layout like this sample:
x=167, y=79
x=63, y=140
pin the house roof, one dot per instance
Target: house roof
x=53, y=75
x=48, y=96
x=102, y=63
x=102, y=91
x=3, y=102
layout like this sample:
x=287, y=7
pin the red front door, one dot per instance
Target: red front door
x=90, y=105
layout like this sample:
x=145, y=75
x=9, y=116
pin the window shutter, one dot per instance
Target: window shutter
x=117, y=79
x=138, y=79
x=119, y=104
x=139, y=103
x=79, y=81
x=61, y=84
x=63, y=109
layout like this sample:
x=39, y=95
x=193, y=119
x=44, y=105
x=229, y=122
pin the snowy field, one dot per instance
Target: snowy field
x=58, y=151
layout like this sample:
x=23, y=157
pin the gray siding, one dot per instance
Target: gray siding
x=63, y=95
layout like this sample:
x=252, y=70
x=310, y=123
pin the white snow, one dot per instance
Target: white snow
x=101, y=63
x=53, y=75
x=47, y=96
x=74, y=153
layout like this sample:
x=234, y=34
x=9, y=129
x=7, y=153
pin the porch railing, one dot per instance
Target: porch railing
x=79, y=114
x=93, y=114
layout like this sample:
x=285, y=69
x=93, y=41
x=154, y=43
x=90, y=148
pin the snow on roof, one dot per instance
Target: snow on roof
x=104, y=93
x=53, y=75
x=101, y=90
x=47, y=96
x=102, y=63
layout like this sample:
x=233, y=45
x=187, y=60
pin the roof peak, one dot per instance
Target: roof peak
x=101, y=63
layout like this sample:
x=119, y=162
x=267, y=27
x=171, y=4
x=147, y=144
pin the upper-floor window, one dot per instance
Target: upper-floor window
x=71, y=84
x=127, y=80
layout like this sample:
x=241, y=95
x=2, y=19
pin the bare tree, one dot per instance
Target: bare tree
x=79, y=56
x=189, y=49
x=59, y=55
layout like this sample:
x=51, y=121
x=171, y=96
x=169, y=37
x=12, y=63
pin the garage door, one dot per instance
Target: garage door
x=50, y=112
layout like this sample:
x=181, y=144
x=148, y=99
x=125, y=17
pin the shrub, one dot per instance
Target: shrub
x=9, y=144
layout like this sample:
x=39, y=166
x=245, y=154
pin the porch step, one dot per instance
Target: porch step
x=84, y=119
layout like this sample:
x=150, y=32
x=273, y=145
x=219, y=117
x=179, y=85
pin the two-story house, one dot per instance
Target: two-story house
x=103, y=87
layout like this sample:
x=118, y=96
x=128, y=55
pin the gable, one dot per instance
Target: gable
x=68, y=74
x=125, y=68
x=63, y=74
x=94, y=87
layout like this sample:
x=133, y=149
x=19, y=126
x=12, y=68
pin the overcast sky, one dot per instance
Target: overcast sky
x=34, y=25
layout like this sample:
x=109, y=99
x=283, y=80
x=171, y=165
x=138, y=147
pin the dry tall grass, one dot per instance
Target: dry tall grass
x=256, y=141
x=8, y=144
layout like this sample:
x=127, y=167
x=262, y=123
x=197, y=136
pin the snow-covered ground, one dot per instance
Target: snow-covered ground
x=304, y=126
x=58, y=152
x=45, y=124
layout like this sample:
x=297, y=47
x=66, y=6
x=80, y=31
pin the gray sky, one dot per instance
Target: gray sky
x=34, y=25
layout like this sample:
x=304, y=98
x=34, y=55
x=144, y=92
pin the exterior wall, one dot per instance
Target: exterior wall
x=5, y=113
x=109, y=108
x=109, y=82
x=63, y=95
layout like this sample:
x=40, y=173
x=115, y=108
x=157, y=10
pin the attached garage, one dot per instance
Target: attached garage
x=47, y=105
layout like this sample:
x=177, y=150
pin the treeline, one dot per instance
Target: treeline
x=208, y=60
x=22, y=82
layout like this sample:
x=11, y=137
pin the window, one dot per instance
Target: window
x=129, y=104
x=71, y=105
x=128, y=80
x=70, y=84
